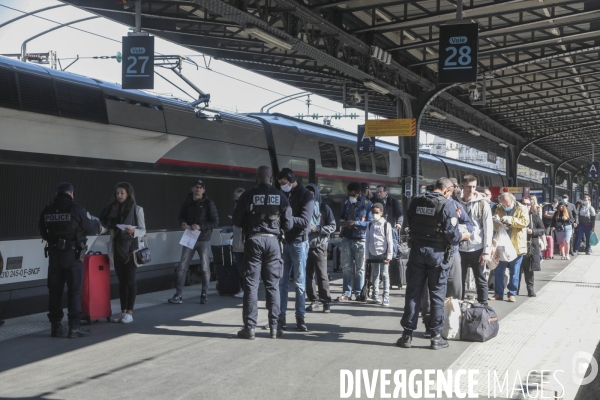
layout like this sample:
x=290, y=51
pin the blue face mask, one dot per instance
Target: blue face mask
x=508, y=208
x=585, y=203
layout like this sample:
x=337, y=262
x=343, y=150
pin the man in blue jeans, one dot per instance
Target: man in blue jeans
x=295, y=247
x=354, y=219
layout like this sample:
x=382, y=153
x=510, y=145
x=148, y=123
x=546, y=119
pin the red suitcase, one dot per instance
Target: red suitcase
x=548, y=254
x=95, y=294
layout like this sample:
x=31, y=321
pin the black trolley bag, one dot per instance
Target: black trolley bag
x=397, y=268
x=228, y=280
x=479, y=324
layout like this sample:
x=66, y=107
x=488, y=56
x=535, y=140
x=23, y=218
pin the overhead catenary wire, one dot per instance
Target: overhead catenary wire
x=192, y=55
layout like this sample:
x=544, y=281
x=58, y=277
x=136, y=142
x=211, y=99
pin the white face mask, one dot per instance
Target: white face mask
x=353, y=200
x=286, y=188
x=376, y=217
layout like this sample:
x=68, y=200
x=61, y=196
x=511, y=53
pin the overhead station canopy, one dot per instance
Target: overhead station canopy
x=539, y=57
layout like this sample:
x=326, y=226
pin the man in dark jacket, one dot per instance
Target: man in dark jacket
x=198, y=213
x=295, y=248
x=321, y=226
x=393, y=209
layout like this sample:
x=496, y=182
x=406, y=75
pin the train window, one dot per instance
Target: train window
x=365, y=162
x=348, y=158
x=381, y=164
x=328, y=155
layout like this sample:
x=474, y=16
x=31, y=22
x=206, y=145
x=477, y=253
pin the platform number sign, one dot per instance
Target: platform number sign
x=364, y=144
x=458, y=53
x=544, y=182
x=138, y=62
x=592, y=171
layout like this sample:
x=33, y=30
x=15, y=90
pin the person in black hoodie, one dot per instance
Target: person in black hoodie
x=197, y=213
x=321, y=226
x=295, y=248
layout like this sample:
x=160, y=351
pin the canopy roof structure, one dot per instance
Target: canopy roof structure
x=539, y=59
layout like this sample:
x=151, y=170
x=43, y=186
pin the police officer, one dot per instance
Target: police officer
x=433, y=224
x=262, y=212
x=64, y=225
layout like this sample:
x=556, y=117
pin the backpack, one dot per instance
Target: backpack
x=394, y=237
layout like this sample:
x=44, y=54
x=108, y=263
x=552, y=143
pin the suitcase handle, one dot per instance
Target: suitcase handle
x=93, y=253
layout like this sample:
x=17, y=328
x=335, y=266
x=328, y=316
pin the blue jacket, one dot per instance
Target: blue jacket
x=362, y=217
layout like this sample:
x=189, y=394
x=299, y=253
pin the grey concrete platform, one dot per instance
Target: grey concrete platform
x=190, y=351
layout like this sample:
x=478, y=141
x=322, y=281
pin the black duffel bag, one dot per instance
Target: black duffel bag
x=479, y=324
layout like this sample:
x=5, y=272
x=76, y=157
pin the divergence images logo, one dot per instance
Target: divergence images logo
x=579, y=365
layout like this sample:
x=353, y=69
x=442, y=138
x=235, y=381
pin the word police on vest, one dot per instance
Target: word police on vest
x=426, y=211
x=272, y=200
x=57, y=217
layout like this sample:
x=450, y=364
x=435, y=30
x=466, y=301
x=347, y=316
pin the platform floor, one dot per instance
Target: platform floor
x=190, y=351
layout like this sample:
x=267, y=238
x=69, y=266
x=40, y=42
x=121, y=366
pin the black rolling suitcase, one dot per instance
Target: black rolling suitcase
x=228, y=279
x=337, y=259
x=397, y=271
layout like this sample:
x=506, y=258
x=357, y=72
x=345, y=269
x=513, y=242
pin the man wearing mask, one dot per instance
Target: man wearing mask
x=515, y=218
x=434, y=230
x=586, y=221
x=547, y=214
x=393, y=209
x=197, y=213
x=354, y=219
x=572, y=210
x=295, y=248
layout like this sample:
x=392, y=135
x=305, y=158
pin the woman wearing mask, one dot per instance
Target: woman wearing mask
x=585, y=218
x=531, y=261
x=560, y=223
x=124, y=242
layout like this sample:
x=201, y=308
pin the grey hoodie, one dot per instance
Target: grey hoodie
x=326, y=227
x=483, y=227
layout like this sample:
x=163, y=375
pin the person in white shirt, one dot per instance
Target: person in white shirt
x=379, y=247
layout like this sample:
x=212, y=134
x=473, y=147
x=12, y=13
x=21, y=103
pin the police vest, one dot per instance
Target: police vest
x=428, y=219
x=60, y=223
x=265, y=203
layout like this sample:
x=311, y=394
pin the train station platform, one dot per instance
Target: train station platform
x=191, y=350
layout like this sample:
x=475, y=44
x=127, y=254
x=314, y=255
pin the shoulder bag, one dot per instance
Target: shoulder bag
x=142, y=255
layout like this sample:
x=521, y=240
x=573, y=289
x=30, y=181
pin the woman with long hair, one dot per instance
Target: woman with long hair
x=535, y=206
x=125, y=220
x=560, y=221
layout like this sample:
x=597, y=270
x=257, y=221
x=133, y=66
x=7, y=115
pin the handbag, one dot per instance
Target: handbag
x=143, y=256
x=479, y=324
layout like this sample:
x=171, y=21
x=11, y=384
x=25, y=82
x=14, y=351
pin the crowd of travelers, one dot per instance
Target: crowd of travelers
x=282, y=237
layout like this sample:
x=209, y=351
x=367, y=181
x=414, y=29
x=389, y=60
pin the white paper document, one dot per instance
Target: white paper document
x=123, y=227
x=189, y=238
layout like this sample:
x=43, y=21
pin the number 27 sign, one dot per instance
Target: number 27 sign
x=138, y=62
x=458, y=53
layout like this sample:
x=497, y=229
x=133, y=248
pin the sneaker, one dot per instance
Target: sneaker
x=300, y=325
x=438, y=342
x=496, y=297
x=314, y=306
x=117, y=318
x=176, y=300
x=568, y=257
x=343, y=298
x=587, y=253
x=283, y=323
x=239, y=295
x=386, y=302
x=326, y=308
x=405, y=341
x=203, y=299
x=375, y=300
x=562, y=257
x=512, y=299
x=127, y=318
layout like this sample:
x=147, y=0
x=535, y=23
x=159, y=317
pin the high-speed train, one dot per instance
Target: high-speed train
x=57, y=126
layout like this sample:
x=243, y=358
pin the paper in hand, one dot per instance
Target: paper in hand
x=189, y=238
x=123, y=227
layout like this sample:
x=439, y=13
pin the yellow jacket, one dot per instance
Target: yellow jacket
x=520, y=219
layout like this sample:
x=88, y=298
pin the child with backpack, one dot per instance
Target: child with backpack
x=379, y=251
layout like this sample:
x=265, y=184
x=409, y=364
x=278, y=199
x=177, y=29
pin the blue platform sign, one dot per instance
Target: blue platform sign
x=544, y=182
x=364, y=144
x=592, y=171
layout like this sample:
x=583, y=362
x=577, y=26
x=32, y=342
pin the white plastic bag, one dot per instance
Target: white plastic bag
x=505, y=251
x=470, y=284
x=451, y=329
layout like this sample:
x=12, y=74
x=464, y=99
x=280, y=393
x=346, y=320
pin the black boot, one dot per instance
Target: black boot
x=405, y=341
x=300, y=325
x=58, y=330
x=438, y=342
x=246, y=333
x=530, y=292
x=77, y=331
x=276, y=333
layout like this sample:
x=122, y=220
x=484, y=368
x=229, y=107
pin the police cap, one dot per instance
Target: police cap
x=64, y=187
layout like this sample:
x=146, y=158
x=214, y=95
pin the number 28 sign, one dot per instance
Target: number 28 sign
x=458, y=53
x=138, y=62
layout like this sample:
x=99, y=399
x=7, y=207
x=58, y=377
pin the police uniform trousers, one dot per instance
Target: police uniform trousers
x=262, y=259
x=453, y=288
x=64, y=267
x=425, y=265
